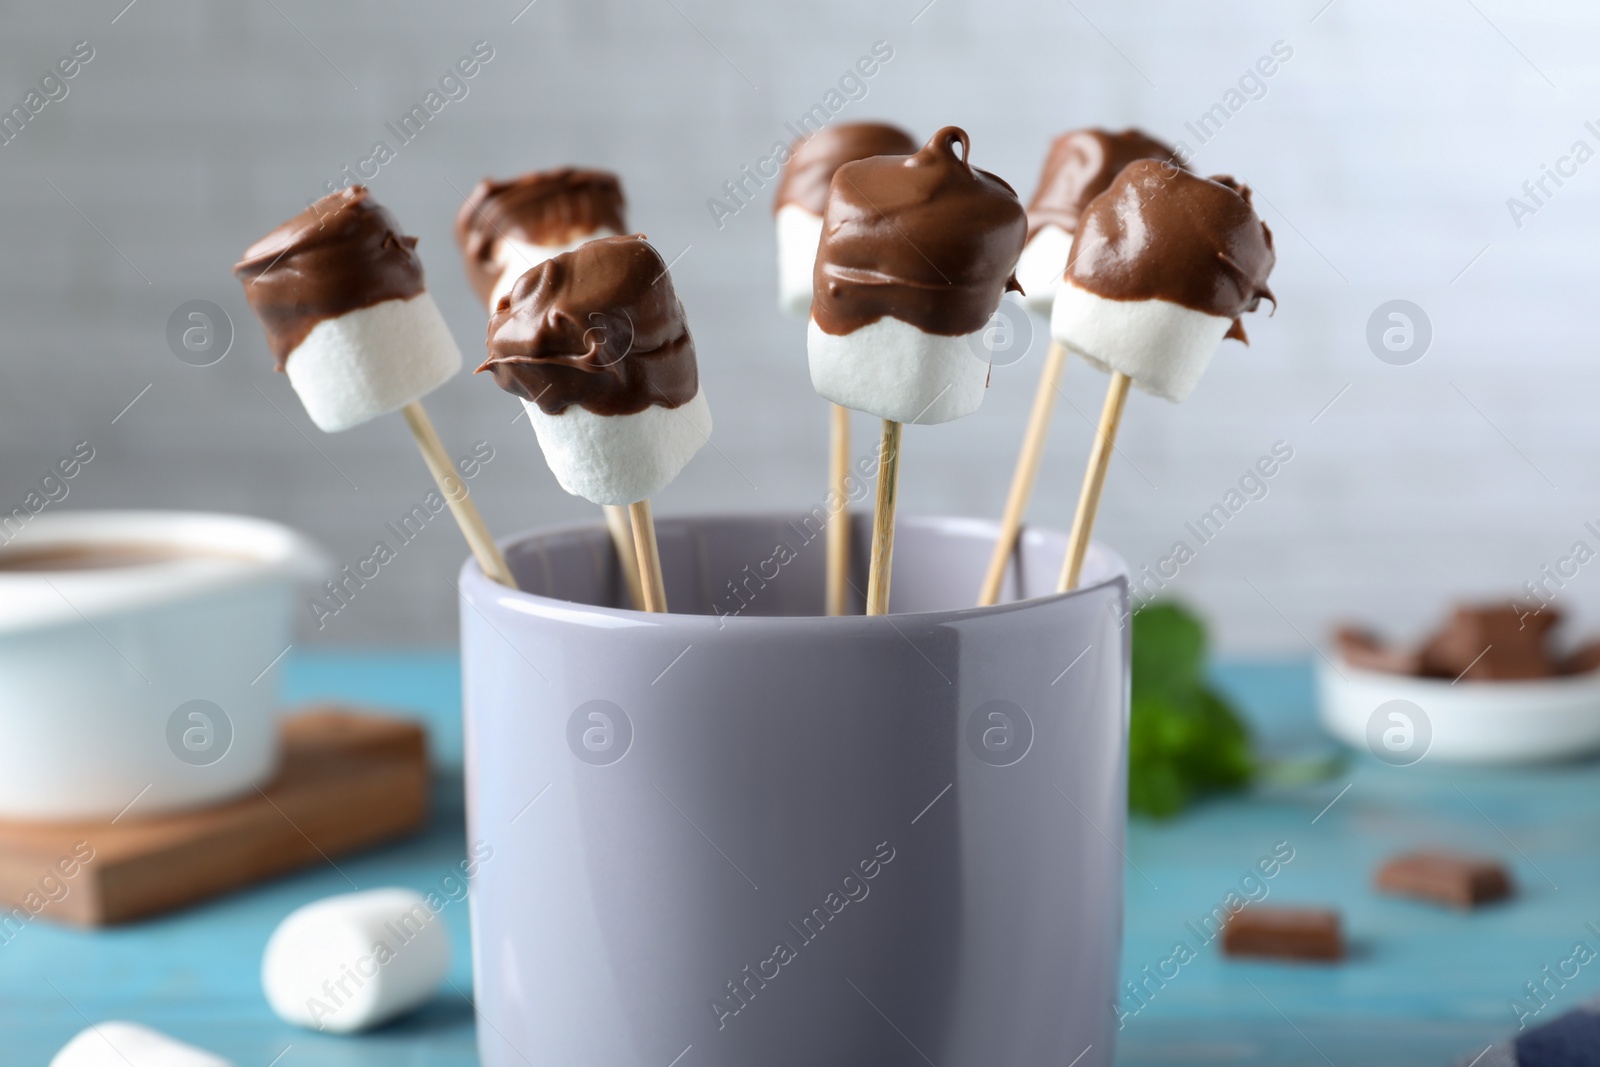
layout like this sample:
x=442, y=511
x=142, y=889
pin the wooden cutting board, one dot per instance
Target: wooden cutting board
x=348, y=780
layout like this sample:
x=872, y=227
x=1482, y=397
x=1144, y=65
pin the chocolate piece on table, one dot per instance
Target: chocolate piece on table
x=1285, y=933
x=1366, y=650
x=1444, y=878
x=1491, y=643
x=1583, y=659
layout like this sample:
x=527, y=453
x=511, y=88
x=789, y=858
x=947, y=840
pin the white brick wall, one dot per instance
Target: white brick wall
x=1384, y=150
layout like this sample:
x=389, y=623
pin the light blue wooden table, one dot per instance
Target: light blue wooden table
x=1423, y=986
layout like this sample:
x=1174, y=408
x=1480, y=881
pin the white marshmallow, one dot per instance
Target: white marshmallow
x=372, y=361
x=799, y=234
x=517, y=258
x=621, y=459
x=893, y=370
x=119, y=1044
x=351, y=962
x=1039, y=271
x=1162, y=346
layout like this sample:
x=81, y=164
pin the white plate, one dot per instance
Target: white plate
x=1464, y=722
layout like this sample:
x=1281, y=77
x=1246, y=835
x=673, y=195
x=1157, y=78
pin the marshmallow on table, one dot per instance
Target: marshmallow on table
x=351, y=962
x=1163, y=265
x=916, y=252
x=506, y=228
x=595, y=343
x=120, y=1044
x=340, y=294
x=803, y=194
x=1080, y=166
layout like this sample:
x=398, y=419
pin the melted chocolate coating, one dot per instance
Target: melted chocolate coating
x=1081, y=165
x=927, y=239
x=343, y=253
x=600, y=327
x=550, y=208
x=812, y=160
x=1161, y=233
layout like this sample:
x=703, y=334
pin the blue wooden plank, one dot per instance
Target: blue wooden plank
x=196, y=975
x=1423, y=985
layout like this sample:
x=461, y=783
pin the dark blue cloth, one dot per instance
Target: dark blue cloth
x=1570, y=1040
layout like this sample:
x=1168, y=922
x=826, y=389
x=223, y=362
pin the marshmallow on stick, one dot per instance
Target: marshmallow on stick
x=506, y=228
x=1080, y=166
x=803, y=194
x=339, y=293
x=916, y=252
x=1163, y=265
x=596, y=344
x=797, y=209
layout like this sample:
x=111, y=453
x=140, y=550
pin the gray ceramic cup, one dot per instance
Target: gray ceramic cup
x=742, y=835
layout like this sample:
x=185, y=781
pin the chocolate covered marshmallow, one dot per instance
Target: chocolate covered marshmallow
x=339, y=292
x=1081, y=165
x=916, y=252
x=596, y=344
x=803, y=194
x=1163, y=265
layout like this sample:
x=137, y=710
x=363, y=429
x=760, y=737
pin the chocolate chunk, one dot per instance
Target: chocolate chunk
x=1583, y=659
x=1367, y=651
x=1284, y=933
x=341, y=254
x=1081, y=165
x=812, y=160
x=550, y=208
x=1161, y=233
x=927, y=239
x=600, y=327
x=1444, y=878
x=1484, y=642
x=1491, y=643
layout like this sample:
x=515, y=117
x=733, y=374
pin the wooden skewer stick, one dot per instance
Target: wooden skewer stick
x=455, y=493
x=644, y=541
x=883, y=520
x=627, y=553
x=838, y=544
x=1094, y=480
x=1026, y=473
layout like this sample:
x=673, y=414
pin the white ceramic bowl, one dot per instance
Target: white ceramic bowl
x=100, y=666
x=1465, y=722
